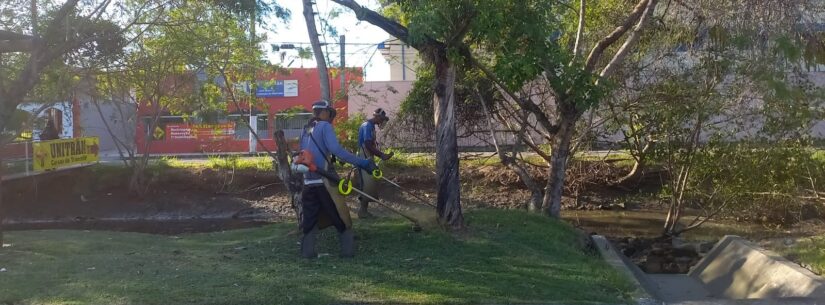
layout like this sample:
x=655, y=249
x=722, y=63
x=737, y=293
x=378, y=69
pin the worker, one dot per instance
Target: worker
x=322, y=207
x=49, y=132
x=368, y=148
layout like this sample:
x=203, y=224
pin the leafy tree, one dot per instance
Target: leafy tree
x=37, y=36
x=714, y=89
x=437, y=30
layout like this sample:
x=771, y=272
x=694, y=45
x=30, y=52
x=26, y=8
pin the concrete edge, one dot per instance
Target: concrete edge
x=645, y=291
x=728, y=239
x=712, y=254
x=779, y=259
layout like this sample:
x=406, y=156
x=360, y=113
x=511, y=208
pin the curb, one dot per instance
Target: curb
x=644, y=293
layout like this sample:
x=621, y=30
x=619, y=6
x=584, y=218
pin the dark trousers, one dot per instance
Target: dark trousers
x=316, y=203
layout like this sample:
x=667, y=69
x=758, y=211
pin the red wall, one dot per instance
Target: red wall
x=308, y=93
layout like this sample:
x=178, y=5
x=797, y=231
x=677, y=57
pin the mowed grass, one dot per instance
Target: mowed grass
x=505, y=257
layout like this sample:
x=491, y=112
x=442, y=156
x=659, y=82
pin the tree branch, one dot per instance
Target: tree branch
x=579, y=31
x=610, y=39
x=631, y=41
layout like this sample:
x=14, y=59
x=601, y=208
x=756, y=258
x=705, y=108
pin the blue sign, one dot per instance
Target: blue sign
x=277, y=88
x=270, y=89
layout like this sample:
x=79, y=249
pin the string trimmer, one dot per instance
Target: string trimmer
x=304, y=158
x=378, y=174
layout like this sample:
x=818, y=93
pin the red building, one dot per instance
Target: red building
x=289, y=89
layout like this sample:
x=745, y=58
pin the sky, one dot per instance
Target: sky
x=361, y=38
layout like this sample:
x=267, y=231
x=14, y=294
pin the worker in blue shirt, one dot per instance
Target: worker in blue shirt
x=369, y=149
x=322, y=205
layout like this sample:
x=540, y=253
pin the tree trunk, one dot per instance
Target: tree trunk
x=309, y=15
x=449, y=186
x=558, y=165
x=2, y=213
x=291, y=181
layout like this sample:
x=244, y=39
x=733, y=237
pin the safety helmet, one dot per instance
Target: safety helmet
x=321, y=104
x=324, y=105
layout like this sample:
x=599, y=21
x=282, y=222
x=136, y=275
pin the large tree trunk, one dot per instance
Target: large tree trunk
x=2, y=214
x=446, y=157
x=558, y=165
x=309, y=16
x=291, y=180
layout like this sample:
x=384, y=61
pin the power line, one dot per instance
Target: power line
x=346, y=43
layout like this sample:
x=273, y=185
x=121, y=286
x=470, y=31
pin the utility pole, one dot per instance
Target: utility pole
x=253, y=119
x=403, y=63
x=342, y=73
x=323, y=73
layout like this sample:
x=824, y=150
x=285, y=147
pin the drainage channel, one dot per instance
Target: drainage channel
x=735, y=271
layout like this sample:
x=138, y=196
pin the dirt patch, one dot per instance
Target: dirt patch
x=166, y=227
x=177, y=200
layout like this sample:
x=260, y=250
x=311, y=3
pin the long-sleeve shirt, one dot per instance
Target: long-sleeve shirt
x=327, y=145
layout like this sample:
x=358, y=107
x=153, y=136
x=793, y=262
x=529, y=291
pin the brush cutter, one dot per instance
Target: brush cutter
x=378, y=174
x=304, y=163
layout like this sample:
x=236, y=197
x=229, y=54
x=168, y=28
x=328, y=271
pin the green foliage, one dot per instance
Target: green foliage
x=502, y=258
x=347, y=131
x=762, y=183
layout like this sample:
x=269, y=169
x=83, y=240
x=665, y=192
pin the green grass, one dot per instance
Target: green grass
x=505, y=257
x=261, y=163
x=809, y=252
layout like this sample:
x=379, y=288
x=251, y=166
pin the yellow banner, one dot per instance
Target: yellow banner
x=49, y=155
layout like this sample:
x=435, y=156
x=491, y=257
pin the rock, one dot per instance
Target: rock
x=652, y=267
x=788, y=242
x=683, y=260
x=683, y=268
x=705, y=247
x=628, y=251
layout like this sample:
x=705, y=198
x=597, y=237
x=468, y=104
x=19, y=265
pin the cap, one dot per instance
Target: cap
x=381, y=113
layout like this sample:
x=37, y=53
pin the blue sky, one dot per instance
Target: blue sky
x=362, y=34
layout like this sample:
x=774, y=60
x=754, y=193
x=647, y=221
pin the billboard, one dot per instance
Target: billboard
x=49, y=155
x=277, y=88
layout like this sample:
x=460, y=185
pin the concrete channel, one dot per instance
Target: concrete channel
x=735, y=271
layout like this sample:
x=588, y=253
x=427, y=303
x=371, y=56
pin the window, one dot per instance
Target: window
x=292, y=123
x=242, y=131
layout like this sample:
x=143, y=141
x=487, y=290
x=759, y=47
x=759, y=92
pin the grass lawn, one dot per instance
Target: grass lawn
x=505, y=257
x=809, y=252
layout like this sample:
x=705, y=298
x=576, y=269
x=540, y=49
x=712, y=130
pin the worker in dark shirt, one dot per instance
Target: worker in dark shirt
x=369, y=149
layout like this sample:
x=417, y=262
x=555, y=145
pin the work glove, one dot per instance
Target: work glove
x=367, y=165
x=388, y=156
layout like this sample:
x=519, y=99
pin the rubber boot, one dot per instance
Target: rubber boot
x=347, y=239
x=308, y=244
x=363, y=205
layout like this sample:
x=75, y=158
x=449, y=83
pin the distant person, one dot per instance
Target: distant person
x=369, y=149
x=322, y=207
x=49, y=132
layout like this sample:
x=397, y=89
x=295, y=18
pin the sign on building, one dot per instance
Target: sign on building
x=202, y=132
x=277, y=88
x=49, y=155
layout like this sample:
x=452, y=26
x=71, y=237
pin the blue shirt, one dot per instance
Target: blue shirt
x=366, y=133
x=327, y=144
